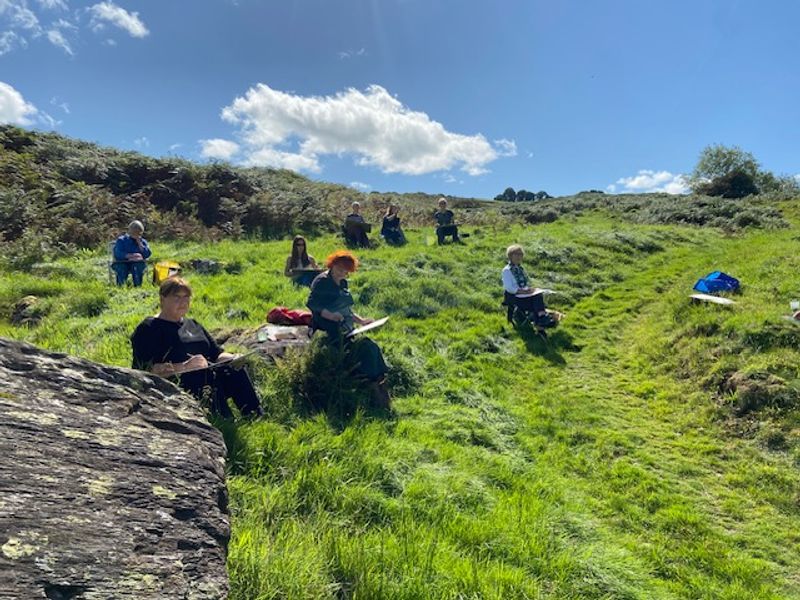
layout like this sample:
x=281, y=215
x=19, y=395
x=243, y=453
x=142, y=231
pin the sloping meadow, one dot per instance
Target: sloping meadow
x=498, y=474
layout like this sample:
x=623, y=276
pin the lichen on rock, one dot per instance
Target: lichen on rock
x=113, y=483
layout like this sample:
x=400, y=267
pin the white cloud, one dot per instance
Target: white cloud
x=506, y=147
x=364, y=187
x=108, y=12
x=647, y=181
x=57, y=39
x=345, y=54
x=219, y=149
x=47, y=119
x=174, y=147
x=51, y=4
x=20, y=16
x=8, y=41
x=110, y=42
x=62, y=105
x=141, y=142
x=374, y=127
x=13, y=107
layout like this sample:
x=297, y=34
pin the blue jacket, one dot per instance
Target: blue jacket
x=125, y=245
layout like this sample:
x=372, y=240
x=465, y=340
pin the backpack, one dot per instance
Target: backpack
x=717, y=282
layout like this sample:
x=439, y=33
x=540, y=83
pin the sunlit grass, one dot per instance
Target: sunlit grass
x=600, y=464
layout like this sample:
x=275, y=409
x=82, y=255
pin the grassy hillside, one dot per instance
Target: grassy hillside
x=649, y=450
x=59, y=196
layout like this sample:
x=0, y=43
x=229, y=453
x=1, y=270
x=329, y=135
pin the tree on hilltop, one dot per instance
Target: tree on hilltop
x=731, y=172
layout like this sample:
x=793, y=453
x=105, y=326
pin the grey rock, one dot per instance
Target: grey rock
x=205, y=266
x=112, y=484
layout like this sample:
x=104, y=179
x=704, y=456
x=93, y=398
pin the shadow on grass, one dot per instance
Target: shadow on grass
x=549, y=347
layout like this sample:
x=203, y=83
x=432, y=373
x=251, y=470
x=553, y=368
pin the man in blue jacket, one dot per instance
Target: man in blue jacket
x=130, y=252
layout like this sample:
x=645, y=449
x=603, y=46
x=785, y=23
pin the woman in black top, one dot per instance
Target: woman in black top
x=170, y=344
x=331, y=307
x=391, y=230
x=300, y=265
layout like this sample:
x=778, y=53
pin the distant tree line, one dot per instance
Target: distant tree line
x=509, y=195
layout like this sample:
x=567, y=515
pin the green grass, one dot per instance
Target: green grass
x=603, y=464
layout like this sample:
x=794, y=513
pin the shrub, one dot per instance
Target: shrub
x=735, y=184
x=319, y=379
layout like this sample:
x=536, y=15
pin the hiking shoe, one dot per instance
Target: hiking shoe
x=545, y=320
x=380, y=394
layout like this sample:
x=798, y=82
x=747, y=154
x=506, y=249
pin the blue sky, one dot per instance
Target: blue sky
x=462, y=97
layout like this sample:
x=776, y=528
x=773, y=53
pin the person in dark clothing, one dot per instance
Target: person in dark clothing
x=300, y=265
x=331, y=308
x=170, y=344
x=445, y=223
x=355, y=228
x=130, y=253
x=391, y=230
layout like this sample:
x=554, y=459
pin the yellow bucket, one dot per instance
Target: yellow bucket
x=164, y=270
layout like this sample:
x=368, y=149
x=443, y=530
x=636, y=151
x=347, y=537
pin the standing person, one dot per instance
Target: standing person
x=445, y=223
x=300, y=265
x=331, y=307
x=170, y=344
x=391, y=230
x=130, y=253
x=518, y=293
x=355, y=228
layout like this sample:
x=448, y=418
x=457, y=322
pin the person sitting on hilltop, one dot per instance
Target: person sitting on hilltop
x=170, y=344
x=445, y=223
x=300, y=265
x=520, y=298
x=130, y=253
x=391, y=230
x=355, y=228
x=331, y=308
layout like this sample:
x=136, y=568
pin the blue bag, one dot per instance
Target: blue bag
x=717, y=282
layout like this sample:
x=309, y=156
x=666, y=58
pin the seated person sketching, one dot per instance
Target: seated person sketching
x=517, y=292
x=355, y=228
x=130, y=253
x=170, y=344
x=331, y=307
x=445, y=223
x=391, y=230
x=300, y=265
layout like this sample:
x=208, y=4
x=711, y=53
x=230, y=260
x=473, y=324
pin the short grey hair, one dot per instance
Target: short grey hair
x=356, y=203
x=514, y=249
x=442, y=199
x=136, y=225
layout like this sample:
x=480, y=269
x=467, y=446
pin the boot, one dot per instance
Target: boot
x=380, y=394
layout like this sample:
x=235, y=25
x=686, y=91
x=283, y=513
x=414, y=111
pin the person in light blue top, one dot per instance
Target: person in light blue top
x=130, y=253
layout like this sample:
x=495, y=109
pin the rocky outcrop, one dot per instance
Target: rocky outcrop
x=112, y=484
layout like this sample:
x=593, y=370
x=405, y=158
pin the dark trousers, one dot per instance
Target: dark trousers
x=395, y=237
x=224, y=383
x=367, y=354
x=533, y=304
x=444, y=230
x=135, y=269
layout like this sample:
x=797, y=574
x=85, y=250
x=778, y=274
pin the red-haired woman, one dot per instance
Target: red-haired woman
x=300, y=265
x=331, y=305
